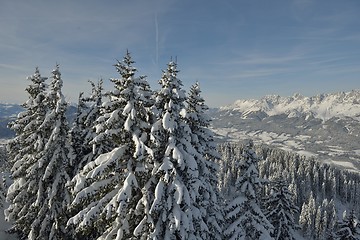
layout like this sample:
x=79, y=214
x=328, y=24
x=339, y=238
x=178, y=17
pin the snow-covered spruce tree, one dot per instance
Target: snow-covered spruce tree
x=109, y=188
x=244, y=218
x=81, y=135
x=307, y=217
x=203, y=141
x=320, y=223
x=174, y=209
x=83, y=129
x=348, y=228
x=53, y=166
x=279, y=209
x=225, y=174
x=76, y=134
x=24, y=151
x=4, y=170
x=331, y=218
x=325, y=220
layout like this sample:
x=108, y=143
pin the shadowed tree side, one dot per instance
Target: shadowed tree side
x=24, y=153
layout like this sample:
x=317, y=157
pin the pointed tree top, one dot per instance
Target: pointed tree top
x=249, y=143
x=125, y=67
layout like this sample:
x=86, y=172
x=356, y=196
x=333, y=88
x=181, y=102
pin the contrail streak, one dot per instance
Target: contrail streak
x=157, y=39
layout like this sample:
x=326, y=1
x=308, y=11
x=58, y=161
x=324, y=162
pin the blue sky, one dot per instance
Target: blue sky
x=236, y=49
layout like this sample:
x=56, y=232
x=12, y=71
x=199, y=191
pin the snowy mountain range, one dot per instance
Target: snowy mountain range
x=326, y=126
x=323, y=106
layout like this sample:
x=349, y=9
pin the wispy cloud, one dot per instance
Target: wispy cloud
x=81, y=37
x=256, y=73
x=12, y=67
x=264, y=59
x=224, y=45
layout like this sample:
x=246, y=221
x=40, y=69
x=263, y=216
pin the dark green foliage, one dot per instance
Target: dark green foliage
x=24, y=151
x=348, y=228
x=280, y=210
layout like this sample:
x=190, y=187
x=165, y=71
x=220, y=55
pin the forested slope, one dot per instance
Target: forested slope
x=318, y=189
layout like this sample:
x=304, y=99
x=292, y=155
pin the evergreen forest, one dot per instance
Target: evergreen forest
x=138, y=163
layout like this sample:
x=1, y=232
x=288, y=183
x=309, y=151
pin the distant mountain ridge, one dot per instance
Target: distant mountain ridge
x=9, y=112
x=326, y=126
x=322, y=106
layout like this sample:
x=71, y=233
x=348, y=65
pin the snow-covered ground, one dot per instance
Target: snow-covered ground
x=4, y=225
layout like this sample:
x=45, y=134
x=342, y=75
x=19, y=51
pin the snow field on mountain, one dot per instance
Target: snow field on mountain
x=323, y=106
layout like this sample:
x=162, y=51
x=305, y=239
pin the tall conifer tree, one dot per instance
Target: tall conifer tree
x=109, y=188
x=25, y=150
x=307, y=217
x=174, y=210
x=83, y=130
x=280, y=210
x=349, y=227
x=203, y=141
x=243, y=214
x=52, y=196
